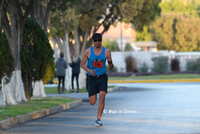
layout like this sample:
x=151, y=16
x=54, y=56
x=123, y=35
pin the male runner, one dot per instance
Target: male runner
x=96, y=57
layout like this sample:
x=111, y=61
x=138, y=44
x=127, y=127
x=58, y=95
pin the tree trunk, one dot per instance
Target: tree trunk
x=56, y=49
x=41, y=15
x=19, y=94
x=38, y=89
x=85, y=42
x=13, y=92
x=66, y=50
x=82, y=75
x=59, y=41
x=2, y=102
x=82, y=78
x=77, y=42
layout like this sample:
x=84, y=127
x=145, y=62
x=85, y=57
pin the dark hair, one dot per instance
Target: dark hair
x=61, y=54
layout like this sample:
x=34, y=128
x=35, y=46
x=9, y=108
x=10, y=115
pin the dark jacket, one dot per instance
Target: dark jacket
x=75, y=65
x=61, y=65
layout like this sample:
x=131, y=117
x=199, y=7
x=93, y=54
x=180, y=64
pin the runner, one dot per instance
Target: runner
x=97, y=78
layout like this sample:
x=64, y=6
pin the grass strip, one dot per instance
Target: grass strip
x=31, y=106
x=54, y=90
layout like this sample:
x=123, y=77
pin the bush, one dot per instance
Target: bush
x=175, y=65
x=198, y=64
x=128, y=47
x=144, y=68
x=49, y=72
x=6, y=59
x=36, y=55
x=160, y=64
x=111, y=45
x=191, y=65
x=113, y=70
x=131, y=64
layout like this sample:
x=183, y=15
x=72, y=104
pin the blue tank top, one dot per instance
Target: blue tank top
x=97, y=62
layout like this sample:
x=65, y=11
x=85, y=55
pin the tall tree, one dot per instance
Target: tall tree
x=36, y=54
x=144, y=35
x=178, y=7
x=6, y=58
x=13, y=18
x=40, y=12
x=140, y=12
x=177, y=32
x=64, y=19
x=6, y=64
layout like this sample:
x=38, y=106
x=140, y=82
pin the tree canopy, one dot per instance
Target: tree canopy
x=6, y=58
x=177, y=32
x=179, y=6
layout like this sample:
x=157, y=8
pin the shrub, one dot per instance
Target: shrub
x=160, y=64
x=128, y=47
x=111, y=45
x=191, y=65
x=131, y=64
x=6, y=59
x=36, y=54
x=175, y=65
x=198, y=64
x=49, y=72
x=113, y=70
x=144, y=68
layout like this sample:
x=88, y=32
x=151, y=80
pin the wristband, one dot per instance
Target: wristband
x=109, y=62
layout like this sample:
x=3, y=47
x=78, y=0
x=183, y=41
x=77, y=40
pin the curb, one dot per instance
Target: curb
x=154, y=81
x=8, y=123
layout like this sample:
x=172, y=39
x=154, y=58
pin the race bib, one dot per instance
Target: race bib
x=97, y=64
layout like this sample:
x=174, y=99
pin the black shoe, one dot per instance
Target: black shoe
x=77, y=91
x=72, y=92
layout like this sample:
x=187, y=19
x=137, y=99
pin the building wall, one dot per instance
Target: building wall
x=143, y=56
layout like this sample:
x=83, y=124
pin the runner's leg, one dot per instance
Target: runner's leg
x=93, y=99
x=102, y=95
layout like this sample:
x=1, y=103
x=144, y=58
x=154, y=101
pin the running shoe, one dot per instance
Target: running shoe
x=98, y=123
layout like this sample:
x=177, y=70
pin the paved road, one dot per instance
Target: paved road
x=139, y=108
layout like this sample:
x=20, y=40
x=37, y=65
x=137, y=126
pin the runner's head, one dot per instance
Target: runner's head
x=97, y=38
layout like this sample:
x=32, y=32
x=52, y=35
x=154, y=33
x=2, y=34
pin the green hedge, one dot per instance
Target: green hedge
x=160, y=64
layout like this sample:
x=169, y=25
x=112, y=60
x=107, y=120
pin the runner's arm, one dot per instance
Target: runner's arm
x=84, y=60
x=109, y=59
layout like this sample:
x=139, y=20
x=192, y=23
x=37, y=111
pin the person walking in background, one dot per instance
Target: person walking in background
x=61, y=65
x=97, y=78
x=75, y=65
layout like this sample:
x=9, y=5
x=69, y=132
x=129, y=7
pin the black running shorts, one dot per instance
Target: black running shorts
x=97, y=84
